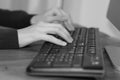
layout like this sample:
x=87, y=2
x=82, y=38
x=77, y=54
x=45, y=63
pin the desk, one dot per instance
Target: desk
x=13, y=64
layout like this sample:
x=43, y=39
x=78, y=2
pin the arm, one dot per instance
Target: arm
x=20, y=19
x=14, y=19
x=11, y=38
x=39, y=31
x=8, y=38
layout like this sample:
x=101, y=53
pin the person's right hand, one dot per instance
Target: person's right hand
x=53, y=15
x=43, y=31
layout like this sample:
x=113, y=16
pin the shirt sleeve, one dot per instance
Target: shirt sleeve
x=8, y=38
x=10, y=21
x=15, y=19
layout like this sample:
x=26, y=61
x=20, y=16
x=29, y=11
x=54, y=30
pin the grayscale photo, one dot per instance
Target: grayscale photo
x=59, y=39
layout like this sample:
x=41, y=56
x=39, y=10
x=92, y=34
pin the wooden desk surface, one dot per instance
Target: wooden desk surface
x=13, y=65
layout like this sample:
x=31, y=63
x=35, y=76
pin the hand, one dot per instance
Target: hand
x=43, y=31
x=54, y=15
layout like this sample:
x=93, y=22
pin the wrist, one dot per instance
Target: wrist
x=24, y=37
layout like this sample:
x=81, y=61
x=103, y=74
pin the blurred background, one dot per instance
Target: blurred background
x=89, y=13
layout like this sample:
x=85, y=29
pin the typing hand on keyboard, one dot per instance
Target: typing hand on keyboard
x=49, y=24
x=43, y=31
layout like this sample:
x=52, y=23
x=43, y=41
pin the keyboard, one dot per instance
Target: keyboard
x=81, y=58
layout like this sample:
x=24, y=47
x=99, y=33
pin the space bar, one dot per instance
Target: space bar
x=61, y=64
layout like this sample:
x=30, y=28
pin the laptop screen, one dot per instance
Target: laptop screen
x=114, y=13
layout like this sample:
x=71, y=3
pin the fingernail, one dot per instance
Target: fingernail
x=71, y=40
x=64, y=43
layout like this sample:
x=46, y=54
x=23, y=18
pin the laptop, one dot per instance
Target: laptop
x=114, y=17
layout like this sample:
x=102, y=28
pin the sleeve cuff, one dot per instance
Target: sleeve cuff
x=8, y=38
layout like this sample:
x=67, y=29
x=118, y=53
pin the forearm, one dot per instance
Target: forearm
x=15, y=19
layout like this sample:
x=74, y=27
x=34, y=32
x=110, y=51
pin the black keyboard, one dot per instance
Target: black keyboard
x=82, y=57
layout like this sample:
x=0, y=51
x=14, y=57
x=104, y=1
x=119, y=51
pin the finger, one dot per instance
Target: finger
x=50, y=19
x=65, y=35
x=53, y=12
x=52, y=28
x=69, y=26
x=62, y=12
x=53, y=19
x=62, y=32
x=53, y=39
x=68, y=22
x=59, y=30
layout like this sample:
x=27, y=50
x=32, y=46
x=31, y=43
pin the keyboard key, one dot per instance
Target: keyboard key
x=91, y=51
x=92, y=62
x=46, y=47
x=79, y=50
x=61, y=64
x=77, y=61
x=42, y=64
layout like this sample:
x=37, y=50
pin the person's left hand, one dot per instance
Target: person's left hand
x=54, y=15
